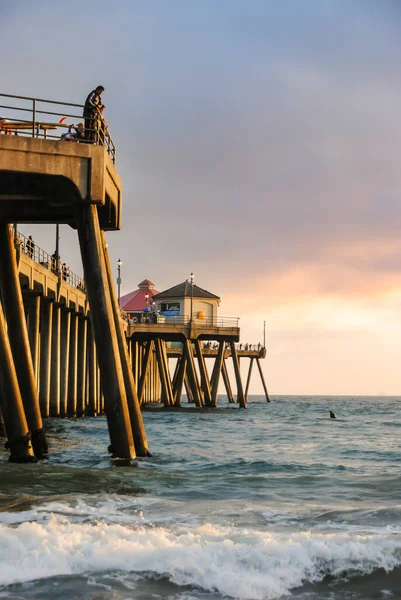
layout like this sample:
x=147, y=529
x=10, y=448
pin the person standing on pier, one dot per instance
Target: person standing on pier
x=92, y=106
x=30, y=247
x=65, y=272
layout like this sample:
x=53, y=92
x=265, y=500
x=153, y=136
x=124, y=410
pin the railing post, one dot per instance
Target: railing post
x=33, y=117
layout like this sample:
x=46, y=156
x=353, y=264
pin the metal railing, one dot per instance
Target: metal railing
x=153, y=318
x=47, y=119
x=48, y=261
x=240, y=346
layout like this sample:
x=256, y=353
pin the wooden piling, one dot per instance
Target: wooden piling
x=19, y=341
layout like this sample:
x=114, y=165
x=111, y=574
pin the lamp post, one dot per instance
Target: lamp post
x=147, y=299
x=119, y=263
x=192, y=294
x=58, y=249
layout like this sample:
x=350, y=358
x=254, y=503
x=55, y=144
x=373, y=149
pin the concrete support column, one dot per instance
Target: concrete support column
x=203, y=374
x=91, y=374
x=145, y=370
x=33, y=332
x=248, y=379
x=168, y=398
x=98, y=390
x=216, y=373
x=55, y=364
x=46, y=323
x=190, y=396
x=179, y=383
x=134, y=359
x=240, y=391
x=73, y=367
x=81, y=367
x=15, y=423
x=64, y=358
x=191, y=374
x=105, y=332
x=263, y=380
x=19, y=341
x=137, y=426
x=227, y=383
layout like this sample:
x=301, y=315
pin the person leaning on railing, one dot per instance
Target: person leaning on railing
x=91, y=111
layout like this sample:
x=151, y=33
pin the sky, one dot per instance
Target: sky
x=259, y=145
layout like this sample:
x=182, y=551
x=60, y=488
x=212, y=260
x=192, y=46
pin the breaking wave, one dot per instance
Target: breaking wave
x=237, y=563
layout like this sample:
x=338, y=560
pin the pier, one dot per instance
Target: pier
x=66, y=348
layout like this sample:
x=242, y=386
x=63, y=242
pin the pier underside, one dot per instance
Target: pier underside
x=44, y=181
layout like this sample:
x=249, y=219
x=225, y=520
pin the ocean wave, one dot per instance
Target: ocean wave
x=235, y=563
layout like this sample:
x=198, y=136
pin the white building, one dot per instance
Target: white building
x=179, y=300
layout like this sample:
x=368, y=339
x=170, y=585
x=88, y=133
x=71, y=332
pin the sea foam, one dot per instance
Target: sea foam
x=241, y=564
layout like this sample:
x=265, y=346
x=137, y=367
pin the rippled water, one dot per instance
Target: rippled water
x=274, y=501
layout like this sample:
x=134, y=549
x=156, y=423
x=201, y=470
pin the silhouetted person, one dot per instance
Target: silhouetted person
x=65, y=272
x=91, y=110
x=30, y=247
x=332, y=415
x=54, y=262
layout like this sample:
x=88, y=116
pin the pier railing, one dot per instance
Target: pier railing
x=51, y=119
x=160, y=320
x=48, y=261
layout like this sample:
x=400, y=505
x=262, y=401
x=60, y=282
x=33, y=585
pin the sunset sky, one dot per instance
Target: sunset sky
x=259, y=144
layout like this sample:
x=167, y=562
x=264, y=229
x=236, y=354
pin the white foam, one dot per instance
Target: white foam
x=237, y=563
x=110, y=508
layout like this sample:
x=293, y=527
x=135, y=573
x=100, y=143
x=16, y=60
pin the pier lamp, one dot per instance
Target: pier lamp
x=119, y=263
x=147, y=299
x=192, y=294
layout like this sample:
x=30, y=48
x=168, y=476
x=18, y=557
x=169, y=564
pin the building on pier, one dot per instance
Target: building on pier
x=186, y=298
x=135, y=302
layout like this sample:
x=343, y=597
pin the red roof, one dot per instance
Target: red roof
x=136, y=300
x=146, y=283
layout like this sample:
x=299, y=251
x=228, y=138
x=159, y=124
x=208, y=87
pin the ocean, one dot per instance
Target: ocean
x=274, y=502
